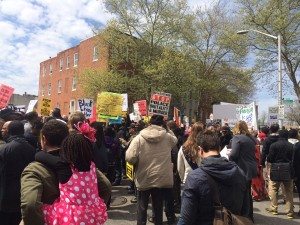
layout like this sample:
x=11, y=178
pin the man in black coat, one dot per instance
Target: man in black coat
x=273, y=137
x=281, y=152
x=198, y=195
x=15, y=155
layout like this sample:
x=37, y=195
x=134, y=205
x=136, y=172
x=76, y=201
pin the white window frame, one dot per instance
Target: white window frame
x=95, y=53
x=50, y=69
x=44, y=70
x=49, y=89
x=43, y=90
x=68, y=62
x=74, y=83
x=75, y=59
x=61, y=63
x=59, y=86
x=72, y=108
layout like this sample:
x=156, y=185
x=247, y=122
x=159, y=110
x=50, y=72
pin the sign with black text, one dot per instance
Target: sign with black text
x=85, y=105
x=159, y=104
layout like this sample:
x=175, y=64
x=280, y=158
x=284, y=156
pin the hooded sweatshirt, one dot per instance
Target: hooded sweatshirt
x=150, y=153
x=197, y=198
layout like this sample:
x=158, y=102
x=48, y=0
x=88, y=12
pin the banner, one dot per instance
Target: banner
x=109, y=105
x=31, y=105
x=142, y=106
x=115, y=121
x=85, y=105
x=5, y=94
x=125, y=102
x=159, y=104
x=248, y=113
x=46, y=106
x=177, y=116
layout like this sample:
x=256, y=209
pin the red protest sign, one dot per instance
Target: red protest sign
x=5, y=94
x=142, y=105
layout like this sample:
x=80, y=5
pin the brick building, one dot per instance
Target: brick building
x=58, y=79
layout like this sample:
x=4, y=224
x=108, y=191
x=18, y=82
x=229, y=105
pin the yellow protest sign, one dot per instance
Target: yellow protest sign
x=129, y=170
x=46, y=106
x=109, y=105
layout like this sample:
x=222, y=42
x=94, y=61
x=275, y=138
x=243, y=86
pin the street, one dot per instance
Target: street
x=123, y=212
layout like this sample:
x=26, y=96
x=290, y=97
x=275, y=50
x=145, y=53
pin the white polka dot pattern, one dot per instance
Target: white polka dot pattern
x=80, y=203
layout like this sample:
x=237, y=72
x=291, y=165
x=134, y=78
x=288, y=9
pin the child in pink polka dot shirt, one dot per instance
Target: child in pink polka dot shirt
x=79, y=202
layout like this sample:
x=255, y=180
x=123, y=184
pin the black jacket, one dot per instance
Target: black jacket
x=100, y=155
x=197, y=198
x=266, y=147
x=297, y=160
x=281, y=151
x=14, y=157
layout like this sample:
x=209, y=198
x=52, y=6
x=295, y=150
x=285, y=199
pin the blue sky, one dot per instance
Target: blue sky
x=34, y=30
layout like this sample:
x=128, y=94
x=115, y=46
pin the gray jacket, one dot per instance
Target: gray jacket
x=243, y=154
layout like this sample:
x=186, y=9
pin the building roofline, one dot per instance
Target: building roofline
x=50, y=58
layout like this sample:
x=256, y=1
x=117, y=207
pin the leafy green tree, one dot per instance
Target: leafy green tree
x=274, y=17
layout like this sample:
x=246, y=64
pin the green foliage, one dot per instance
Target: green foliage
x=162, y=45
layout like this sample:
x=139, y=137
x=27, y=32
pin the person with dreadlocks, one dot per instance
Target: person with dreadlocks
x=79, y=202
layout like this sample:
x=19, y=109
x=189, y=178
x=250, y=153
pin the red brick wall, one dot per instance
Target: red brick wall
x=85, y=60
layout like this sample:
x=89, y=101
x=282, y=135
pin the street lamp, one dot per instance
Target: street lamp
x=278, y=38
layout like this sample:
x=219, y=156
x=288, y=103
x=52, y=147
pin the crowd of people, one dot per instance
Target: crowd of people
x=56, y=170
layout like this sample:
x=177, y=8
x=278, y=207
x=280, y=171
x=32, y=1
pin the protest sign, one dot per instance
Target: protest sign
x=159, y=104
x=46, y=106
x=109, y=105
x=125, y=102
x=31, y=105
x=85, y=105
x=248, y=113
x=129, y=170
x=273, y=115
x=5, y=94
x=177, y=116
x=115, y=121
x=142, y=107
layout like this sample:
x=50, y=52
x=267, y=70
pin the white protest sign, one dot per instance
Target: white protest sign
x=31, y=105
x=248, y=113
x=85, y=105
x=273, y=115
x=125, y=103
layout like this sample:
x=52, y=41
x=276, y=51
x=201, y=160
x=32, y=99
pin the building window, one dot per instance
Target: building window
x=95, y=53
x=72, y=106
x=61, y=62
x=49, y=89
x=74, y=83
x=59, y=86
x=50, y=69
x=66, y=85
x=68, y=62
x=75, y=59
x=44, y=71
x=43, y=90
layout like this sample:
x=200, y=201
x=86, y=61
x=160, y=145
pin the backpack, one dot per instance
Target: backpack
x=223, y=216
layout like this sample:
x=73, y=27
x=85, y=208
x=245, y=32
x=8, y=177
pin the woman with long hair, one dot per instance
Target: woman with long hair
x=188, y=158
x=243, y=154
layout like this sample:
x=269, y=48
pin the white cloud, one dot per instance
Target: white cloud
x=34, y=30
